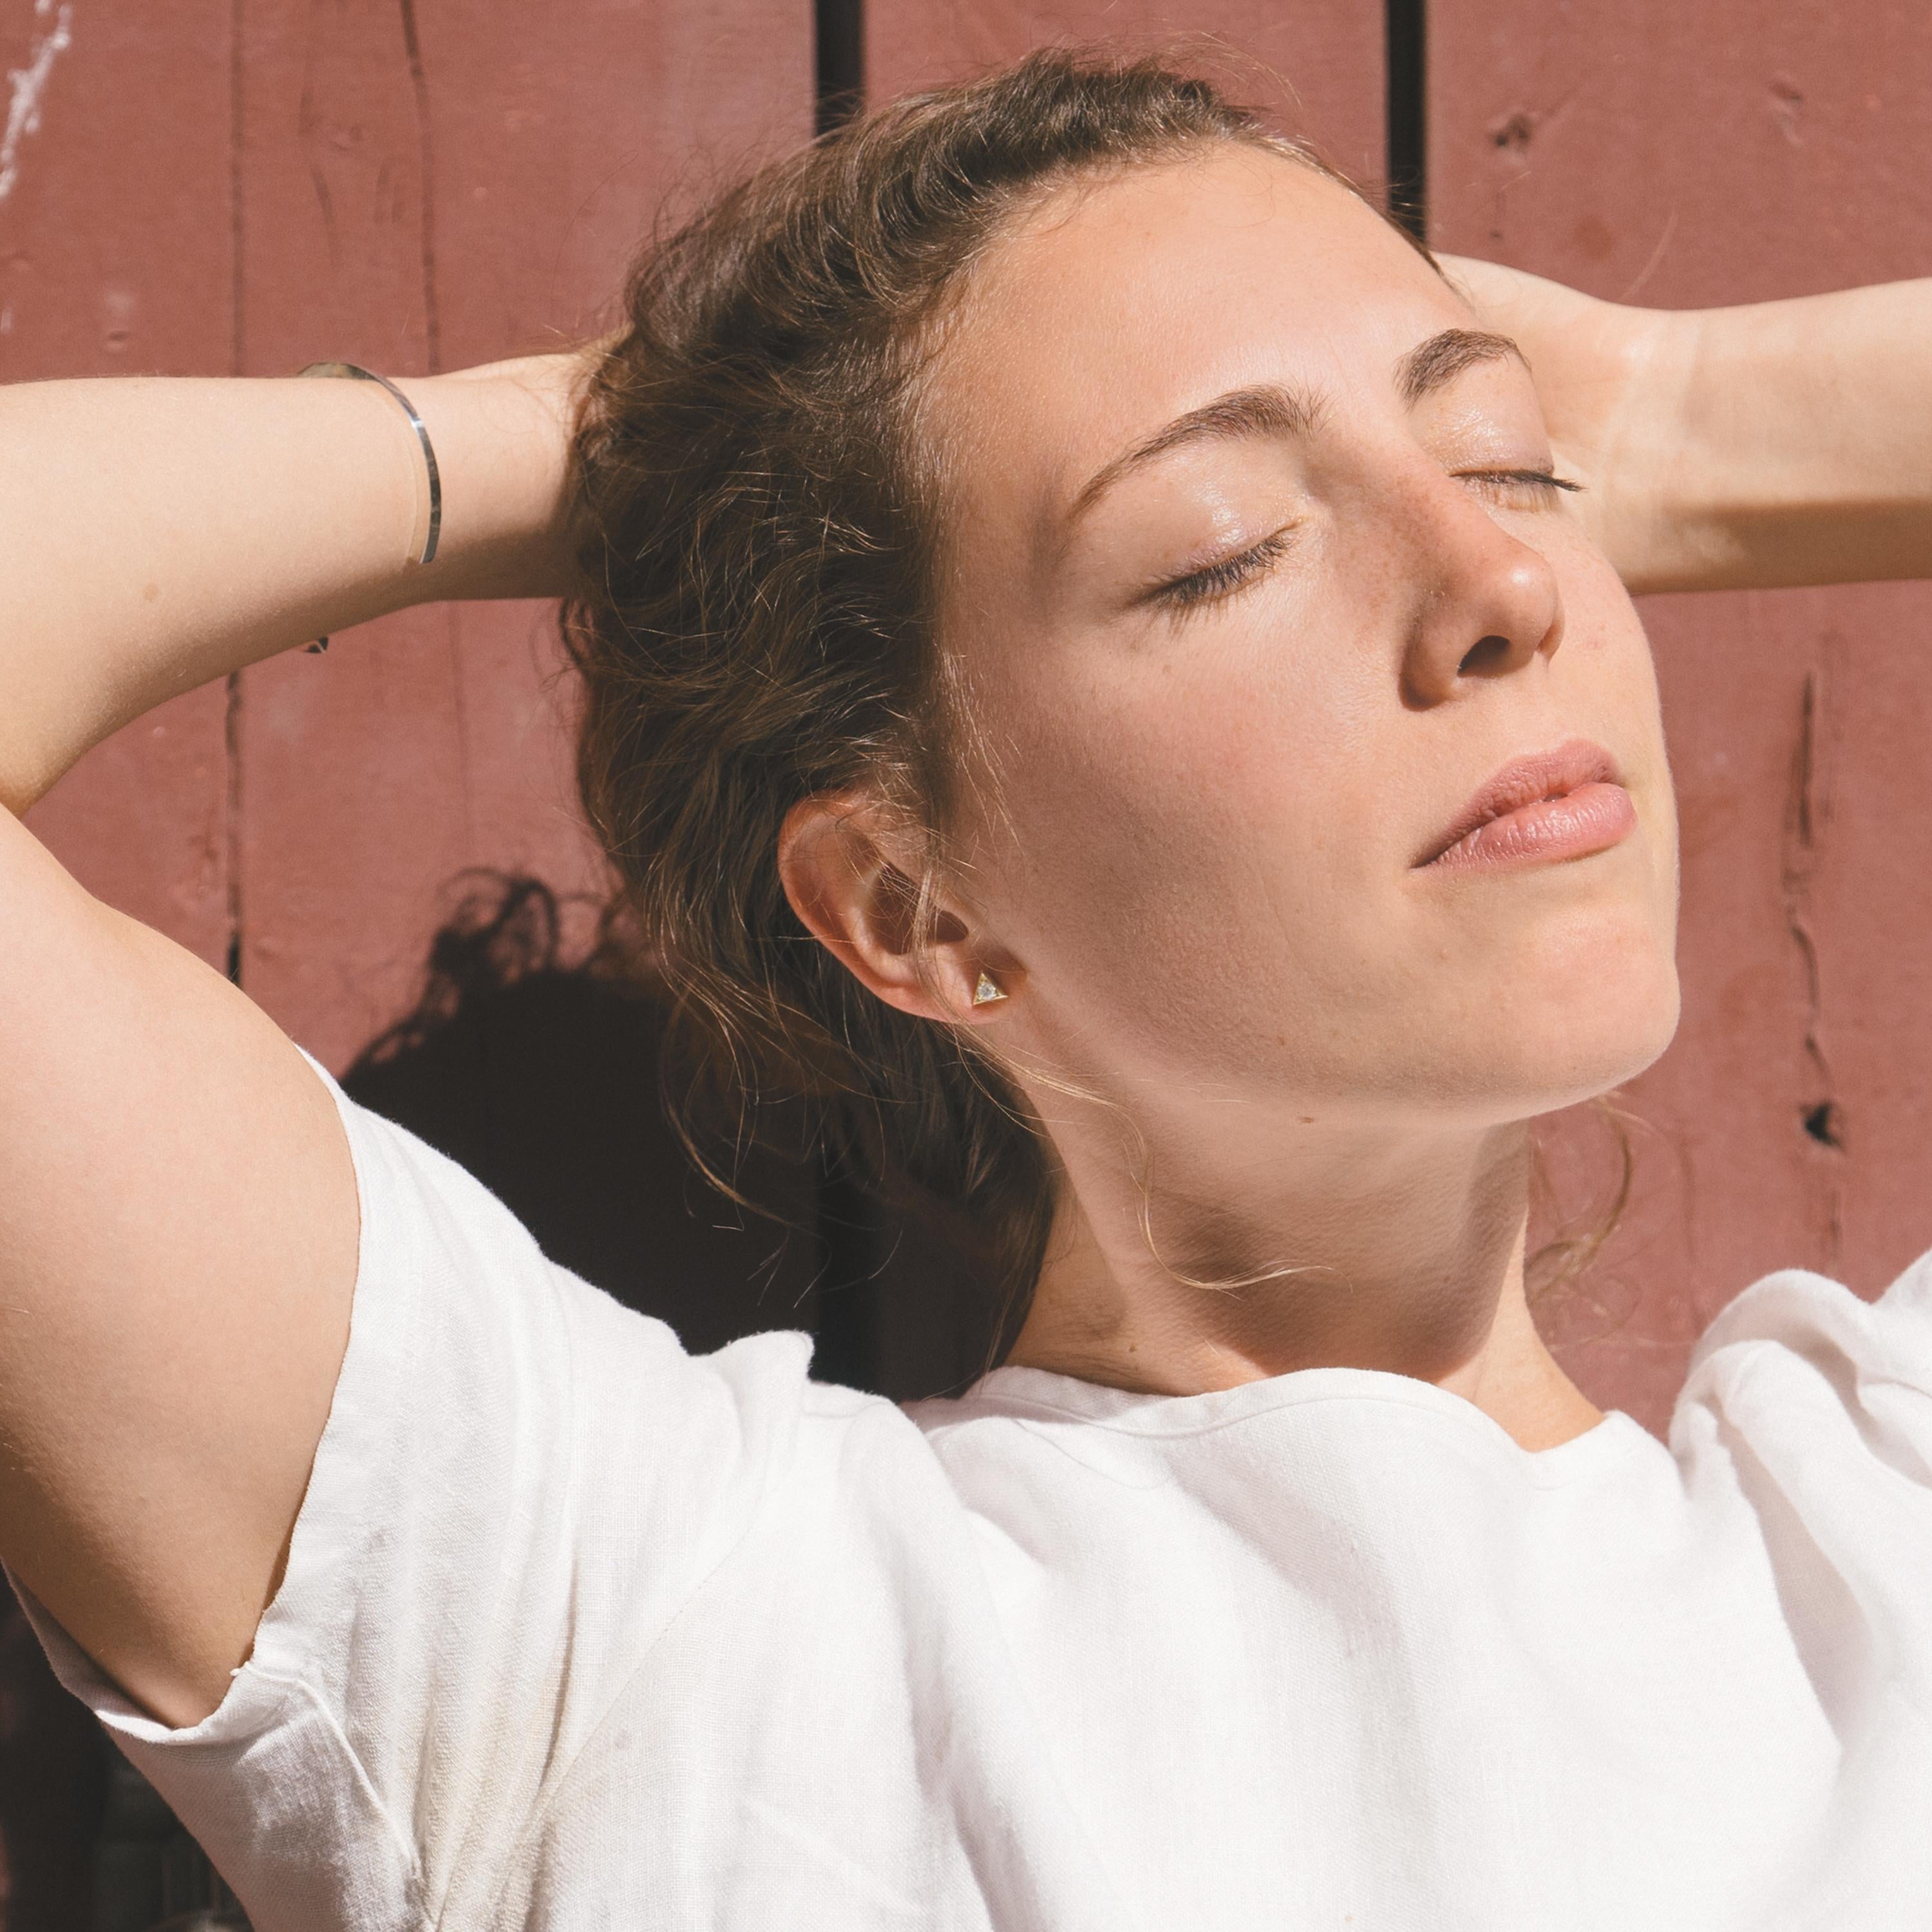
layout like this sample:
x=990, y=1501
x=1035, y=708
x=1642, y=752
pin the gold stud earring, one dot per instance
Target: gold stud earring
x=986, y=992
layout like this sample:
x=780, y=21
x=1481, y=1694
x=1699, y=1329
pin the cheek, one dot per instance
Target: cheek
x=1201, y=852
x=1192, y=845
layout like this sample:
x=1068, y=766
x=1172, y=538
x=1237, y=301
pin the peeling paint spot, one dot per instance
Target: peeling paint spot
x=1807, y=814
x=27, y=86
x=1593, y=237
x=1514, y=131
x=1787, y=100
x=118, y=308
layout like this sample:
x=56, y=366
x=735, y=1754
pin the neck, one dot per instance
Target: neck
x=1406, y=1258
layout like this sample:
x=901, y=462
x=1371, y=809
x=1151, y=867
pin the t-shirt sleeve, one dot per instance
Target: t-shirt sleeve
x=1829, y=1397
x=520, y=1484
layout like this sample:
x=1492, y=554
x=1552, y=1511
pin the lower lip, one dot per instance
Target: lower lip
x=1592, y=818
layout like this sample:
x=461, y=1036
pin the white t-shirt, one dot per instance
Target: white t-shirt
x=580, y=1631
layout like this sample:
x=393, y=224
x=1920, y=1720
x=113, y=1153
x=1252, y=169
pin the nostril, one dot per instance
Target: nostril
x=1485, y=655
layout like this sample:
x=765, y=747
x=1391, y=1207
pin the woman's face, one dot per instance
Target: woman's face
x=1253, y=594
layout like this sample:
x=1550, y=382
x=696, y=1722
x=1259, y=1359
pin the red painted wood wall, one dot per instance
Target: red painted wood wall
x=1319, y=63
x=243, y=185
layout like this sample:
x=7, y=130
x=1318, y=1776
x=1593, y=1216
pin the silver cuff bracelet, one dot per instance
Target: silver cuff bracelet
x=434, y=528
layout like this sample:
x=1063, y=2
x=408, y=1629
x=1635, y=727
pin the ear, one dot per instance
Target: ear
x=850, y=872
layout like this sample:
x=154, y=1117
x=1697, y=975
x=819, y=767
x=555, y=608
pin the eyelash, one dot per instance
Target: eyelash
x=1223, y=579
x=1543, y=479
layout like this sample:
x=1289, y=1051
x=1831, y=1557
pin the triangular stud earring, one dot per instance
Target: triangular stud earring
x=986, y=992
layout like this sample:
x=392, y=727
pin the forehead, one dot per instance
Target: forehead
x=1118, y=303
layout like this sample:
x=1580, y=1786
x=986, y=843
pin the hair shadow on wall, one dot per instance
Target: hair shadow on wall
x=54, y=1768
x=538, y=1069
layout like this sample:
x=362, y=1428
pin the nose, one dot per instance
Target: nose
x=1489, y=605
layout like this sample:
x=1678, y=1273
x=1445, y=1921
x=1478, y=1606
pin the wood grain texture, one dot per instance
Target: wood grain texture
x=1319, y=66
x=1683, y=156
x=115, y=257
x=425, y=186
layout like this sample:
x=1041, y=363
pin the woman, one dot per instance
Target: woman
x=1102, y=666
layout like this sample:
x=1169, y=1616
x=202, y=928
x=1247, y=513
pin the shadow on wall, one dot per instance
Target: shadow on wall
x=55, y=1763
x=539, y=1073
x=542, y=1077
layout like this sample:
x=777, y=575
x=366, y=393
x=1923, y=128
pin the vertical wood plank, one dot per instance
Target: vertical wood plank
x=424, y=186
x=1678, y=156
x=1320, y=65
x=428, y=186
x=115, y=257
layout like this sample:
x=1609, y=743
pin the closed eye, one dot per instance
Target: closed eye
x=1542, y=480
x=1221, y=579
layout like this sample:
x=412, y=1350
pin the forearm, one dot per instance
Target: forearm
x=156, y=533
x=1772, y=444
x=1803, y=444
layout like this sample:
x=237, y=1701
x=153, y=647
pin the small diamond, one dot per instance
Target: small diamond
x=986, y=992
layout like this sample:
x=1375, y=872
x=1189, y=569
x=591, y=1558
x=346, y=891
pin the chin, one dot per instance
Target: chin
x=1564, y=1048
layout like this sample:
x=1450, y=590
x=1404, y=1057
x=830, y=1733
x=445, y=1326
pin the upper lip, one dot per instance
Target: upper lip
x=1524, y=781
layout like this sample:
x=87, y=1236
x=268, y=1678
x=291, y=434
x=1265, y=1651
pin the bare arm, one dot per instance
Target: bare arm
x=1769, y=444
x=178, y=1215
x=155, y=533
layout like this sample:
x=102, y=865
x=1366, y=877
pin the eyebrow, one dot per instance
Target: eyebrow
x=1268, y=409
x=1431, y=364
x=1273, y=408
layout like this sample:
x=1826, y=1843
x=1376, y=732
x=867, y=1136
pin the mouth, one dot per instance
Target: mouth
x=1548, y=806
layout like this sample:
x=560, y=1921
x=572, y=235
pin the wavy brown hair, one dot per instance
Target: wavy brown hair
x=761, y=525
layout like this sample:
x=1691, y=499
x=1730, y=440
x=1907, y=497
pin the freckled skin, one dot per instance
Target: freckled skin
x=1179, y=871
x=1191, y=838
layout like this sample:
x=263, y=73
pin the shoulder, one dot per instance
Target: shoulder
x=1804, y=1374
x=1797, y=1311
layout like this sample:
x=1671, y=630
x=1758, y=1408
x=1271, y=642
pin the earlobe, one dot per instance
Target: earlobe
x=836, y=862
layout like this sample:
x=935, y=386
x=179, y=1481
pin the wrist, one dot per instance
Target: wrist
x=1612, y=380
x=1643, y=456
x=501, y=433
